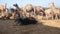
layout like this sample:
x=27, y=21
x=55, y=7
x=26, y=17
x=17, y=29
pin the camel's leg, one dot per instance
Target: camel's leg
x=46, y=17
x=56, y=16
x=52, y=17
x=59, y=16
x=34, y=11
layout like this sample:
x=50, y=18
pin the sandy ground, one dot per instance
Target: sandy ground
x=52, y=23
x=43, y=27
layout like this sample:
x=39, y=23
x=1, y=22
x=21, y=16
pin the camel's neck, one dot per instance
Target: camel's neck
x=52, y=7
x=17, y=8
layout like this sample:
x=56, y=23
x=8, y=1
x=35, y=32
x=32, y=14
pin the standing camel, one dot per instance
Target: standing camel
x=4, y=13
x=52, y=11
x=17, y=7
x=55, y=11
x=2, y=7
x=28, y=9
x=39, y=10
x=19, y=10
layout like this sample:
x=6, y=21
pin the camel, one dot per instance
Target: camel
x=11, y=11
x=2, y=7
x=52, y=11
x=15, y=14
x=48, y=14
x=55, y=12
x=17, y=7
x=3, y=11
x=31, y=11
x=5, y=15
x=39, y=9
x=12, y=17
x=20, y=10
x=12, y=14
x=28, y=9
x=39, y=12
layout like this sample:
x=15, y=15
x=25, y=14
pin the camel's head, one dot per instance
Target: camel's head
x=52, y=4
x=16, y=5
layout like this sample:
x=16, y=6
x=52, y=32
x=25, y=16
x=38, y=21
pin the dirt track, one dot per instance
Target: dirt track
x=43, y=27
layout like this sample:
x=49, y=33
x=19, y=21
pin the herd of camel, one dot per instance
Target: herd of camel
x=29, y=11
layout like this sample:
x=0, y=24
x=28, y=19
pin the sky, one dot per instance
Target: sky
x=43, y=3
